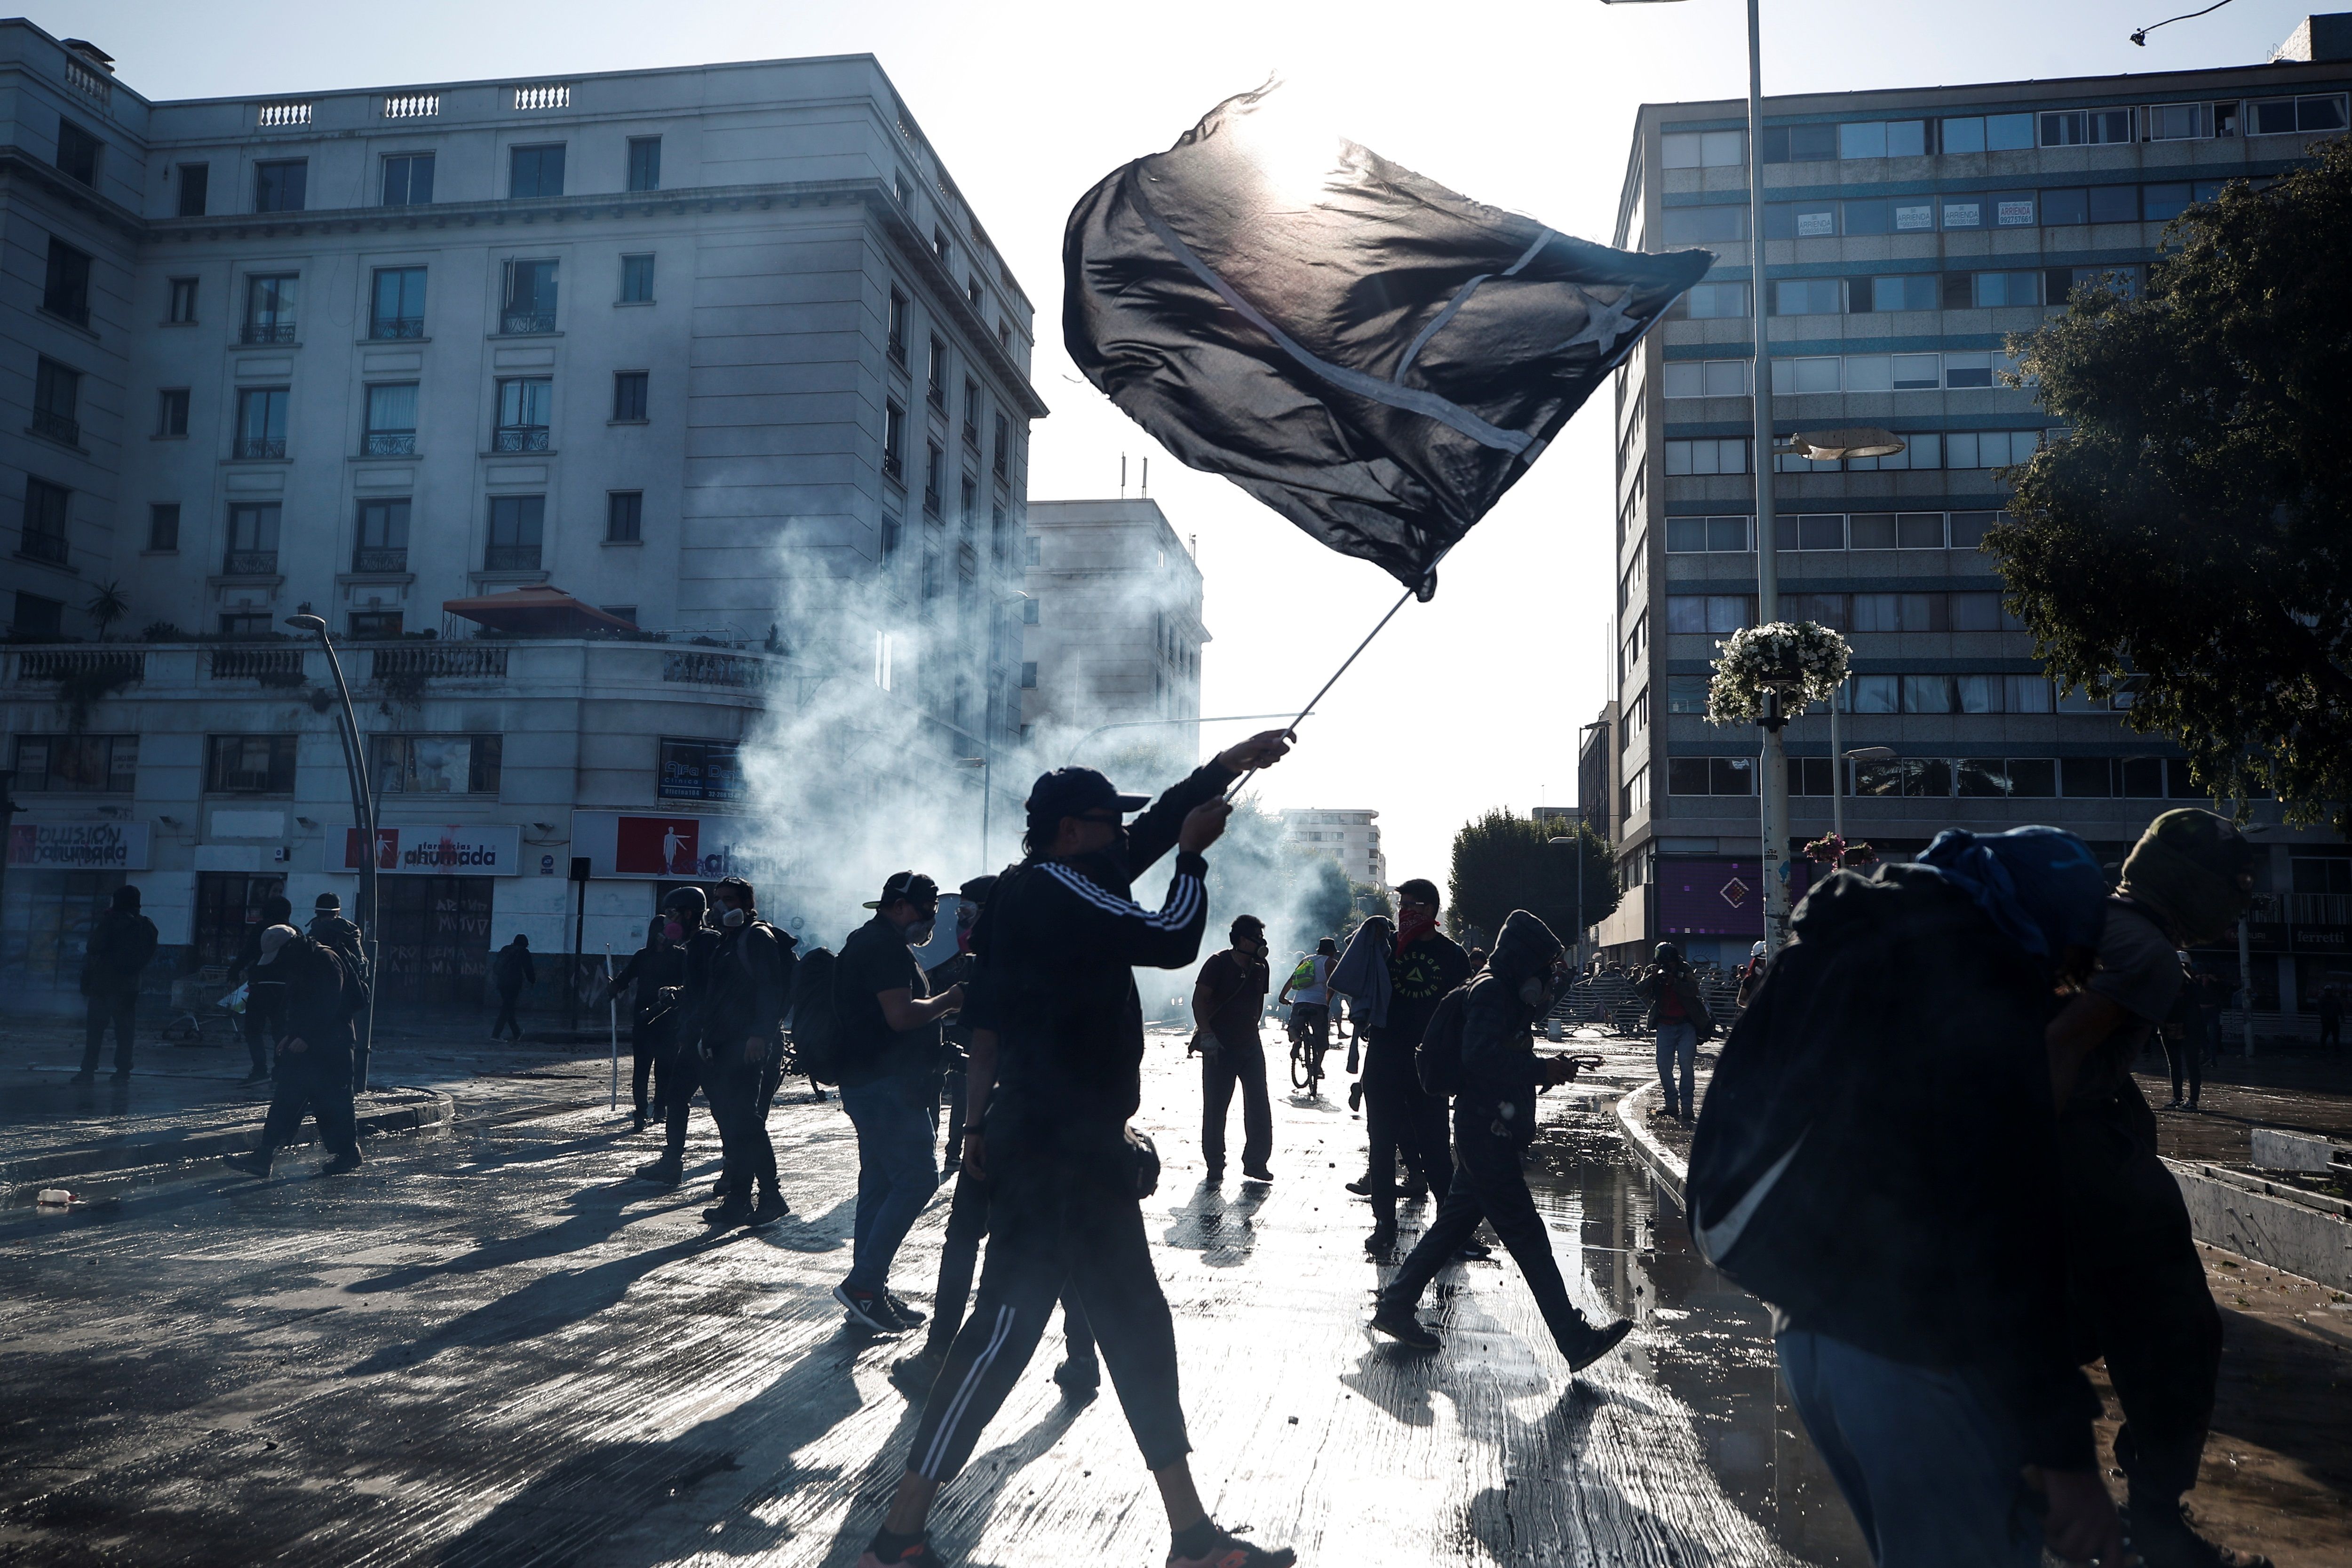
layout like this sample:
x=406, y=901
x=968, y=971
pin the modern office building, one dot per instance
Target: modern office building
x=1113, y=627
x=604, y=419
x=1909, y=232
x=1350, y=837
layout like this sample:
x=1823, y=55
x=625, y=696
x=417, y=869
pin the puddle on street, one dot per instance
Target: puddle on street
x=1711, y=1341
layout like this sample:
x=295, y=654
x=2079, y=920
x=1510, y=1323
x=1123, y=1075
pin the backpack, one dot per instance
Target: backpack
x=816, y=1018
x=1303, y=977
x=1437, y=1060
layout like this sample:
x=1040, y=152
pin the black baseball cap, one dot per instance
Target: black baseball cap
x=911, y=886
x=978, y=889
x=1074, y=792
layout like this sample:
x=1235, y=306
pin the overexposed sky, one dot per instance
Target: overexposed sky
x=1475, y=699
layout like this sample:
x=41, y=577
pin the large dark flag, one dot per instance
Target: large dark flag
x=1371, y=354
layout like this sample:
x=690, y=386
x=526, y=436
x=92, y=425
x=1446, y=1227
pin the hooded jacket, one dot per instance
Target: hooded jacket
x=1498, y=1051
x=122, y=945
x=1362, y=976
x=1682, y=980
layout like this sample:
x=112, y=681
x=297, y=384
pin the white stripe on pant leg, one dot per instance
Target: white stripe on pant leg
x=970, y=1385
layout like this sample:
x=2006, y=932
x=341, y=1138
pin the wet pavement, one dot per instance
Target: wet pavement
x=490, y=1346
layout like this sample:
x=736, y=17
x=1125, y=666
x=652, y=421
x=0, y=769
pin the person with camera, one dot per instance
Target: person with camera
x=1057, y=945
x=1228, y=999
x=656, y=967
x=1679, y=1014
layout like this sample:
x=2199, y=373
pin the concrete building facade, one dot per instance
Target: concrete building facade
x=1351, y=837
x=721, y=352
x=1907, y=233
x=1114, y=626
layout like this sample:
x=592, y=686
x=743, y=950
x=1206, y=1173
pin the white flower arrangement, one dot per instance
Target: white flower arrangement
x=1805, y=662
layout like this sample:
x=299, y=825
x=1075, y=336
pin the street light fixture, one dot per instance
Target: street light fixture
x=1579, y=897
x=364, y=813
x=1854, y=441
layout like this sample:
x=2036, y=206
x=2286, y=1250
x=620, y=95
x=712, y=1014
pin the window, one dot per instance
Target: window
x=195, y=186
x=529, y=298
x=181, y=309
x=279, y=186
x=629, y=397
x=898, y=340
x=624, y=517
x=37, y=617
x=1996, y=291
x=163, y=526
x=1969, y=528
x=1634, y=796
x=172, y=412
x=78, y=764
x=252, y=542
x=1711, y=775
x=1711, y=612
x=1988, y=134
x=637, y=280
x=269, y=308
x=1716, y=457
x=246, y=623
x=2280, y=116
x=375, y=623
x=1716, y=224
x=382, y=539
x=57, y=401
x=408, y=179
x=2180, y=121
x=1815, y=373
x=1708, y=378
x=1906, y=291
x=1968, y=370
x=1029, y=611
x=515, y=533
x=437, y=764
x=971, y=412
x=1801, y=220
x=65, y=290
x=1703, y=149
x=2062, y=281
x=523, y=404
x=1807, y=297
x=934, y=475
x=1901, y=215
x=2162, y=204
x=968, y=502
x=1810, y=775
x=250, y=765
x=1036, y=551
x=1810, y=532
x=1799, y=143
x=894, y=441
x=536, y=171
x=972, y=290
x=938, y=374
x=261, y=422
x=391, y=421
x=398, y=308
x=1687, y=693
x=2087, y=127
x=1000, y=456
x=939, y=247
x=47, y=507
x=890, y=539
x=1882, y=138
x=1709, y=535
x=76, y=154
x=645, y=162
x=1990, y=448
x=1714, y=301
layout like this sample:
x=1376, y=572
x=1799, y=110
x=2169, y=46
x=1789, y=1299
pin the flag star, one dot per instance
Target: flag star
x=1605, y=322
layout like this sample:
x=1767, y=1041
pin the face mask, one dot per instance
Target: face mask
x=919, y=933
x=673, y=930
x=1109, y=864
x=1534, y=991
x=732, y=919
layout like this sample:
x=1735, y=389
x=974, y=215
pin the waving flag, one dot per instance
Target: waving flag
x=1371, y=354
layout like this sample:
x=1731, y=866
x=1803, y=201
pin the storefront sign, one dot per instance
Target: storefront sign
x=78, y=845
x=1710, y=898
x=478, y=849
x=671, y=848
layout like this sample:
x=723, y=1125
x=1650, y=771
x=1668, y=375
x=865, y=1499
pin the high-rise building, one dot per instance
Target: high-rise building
x=1350, y=837
x=708, y=380
x=1113, y=629
x=1909, y=232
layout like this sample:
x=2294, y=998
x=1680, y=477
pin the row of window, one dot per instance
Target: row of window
x=1831, y=530
x=1824, y=217
x=1922, y=450
x=1957, y=371
x=2011, y=132
x=1964, y=693
x=405, y=179
x=1961, y=610
x=1941, y=778
x=1986, y=289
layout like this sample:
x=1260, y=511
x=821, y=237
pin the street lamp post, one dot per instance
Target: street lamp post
x=1578, y=842
x=364, y=812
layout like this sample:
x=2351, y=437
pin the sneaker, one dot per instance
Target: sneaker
x=1415, y=1192
x=1361, y=1186
x=1077, y=1376
x=1582, y=1349
x=341, y=1164
x=1381, y=1242
x=1230, y=1551
x=771, y=1208
x=1399, y=1324
x=640, y=1122
x=2165, y=1537
x=1260, y=1174
x=725, y=1216
x=1356, y=1096
x=1472, y=1252
x=867, y=1310
x=911, y=1317
x=2176, y=1103
x=253, y=1165
x=670, y=1170
x=913, y=1376
x=719, y=1190
x=918, y=1555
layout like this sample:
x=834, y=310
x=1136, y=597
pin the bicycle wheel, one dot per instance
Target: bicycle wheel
x=1300, y=1076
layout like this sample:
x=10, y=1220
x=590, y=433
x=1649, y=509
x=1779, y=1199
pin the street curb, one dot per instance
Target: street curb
x=413, y=1111
x=1663, y=1163
x=2295, y=1232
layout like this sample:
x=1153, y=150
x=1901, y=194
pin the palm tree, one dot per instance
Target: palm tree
x=106, y=606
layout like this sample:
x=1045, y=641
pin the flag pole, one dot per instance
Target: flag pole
x=1335, y=674
x=613, y=1020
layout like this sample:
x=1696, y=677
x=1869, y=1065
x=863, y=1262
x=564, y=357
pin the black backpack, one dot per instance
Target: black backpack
x=816, y=1019
x=1437, y=1060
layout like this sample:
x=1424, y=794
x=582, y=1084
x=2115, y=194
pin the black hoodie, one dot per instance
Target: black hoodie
x=1498, y=1050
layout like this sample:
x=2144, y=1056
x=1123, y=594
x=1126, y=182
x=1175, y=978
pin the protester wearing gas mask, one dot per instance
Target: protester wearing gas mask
x=749, y=988
x=1488, y=1026
x=686, y=924
x=890, y=1051
x=1228, y=1000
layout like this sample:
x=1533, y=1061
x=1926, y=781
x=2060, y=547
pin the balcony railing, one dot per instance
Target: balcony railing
x=518, y=439
x=268, y=332
x=57, y=426
x=50, y=547
x=441, y=661
x=112, y=667
x=510, y=558
x=899, y=353
x=380, y=558
x=931, y=502
x=249, y=563
x=2319, y=908
x=938, y=394
x=390, y=443
x=260, y=447
x=893, y=466
x=255, y=663
x=396, y=327
x=716, y=669
x=515, y=323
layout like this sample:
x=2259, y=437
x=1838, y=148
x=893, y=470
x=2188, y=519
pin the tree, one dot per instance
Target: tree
x=1503, y=862
x=106, y=606
x=2191, y=542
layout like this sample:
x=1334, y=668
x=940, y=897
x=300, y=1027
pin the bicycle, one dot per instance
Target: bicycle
x=1307, y=1053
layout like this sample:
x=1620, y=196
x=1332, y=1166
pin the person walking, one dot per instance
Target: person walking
x=1058, y=946
x=1919, y=1320
x=1678, y=1013
x=1494, y=1122
x=2184, y=1040
x=330, y=929
x=2135, y=1281
x=264, y=1000
x=1363, y=978
x=1228, y=1000
x=1310, y=1004
x=1751, y=977
x=748, y=987
x=653, y=969
x=511, y=970
x=1400, y=1119
x=686, y=923
x=314, y=1057
x=2331, y=1019
x=121, y=944
x=890, y=1088
x=956, y=1028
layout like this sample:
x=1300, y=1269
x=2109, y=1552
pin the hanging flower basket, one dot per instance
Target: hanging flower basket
x=1830, y=850
x=1803, y=661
